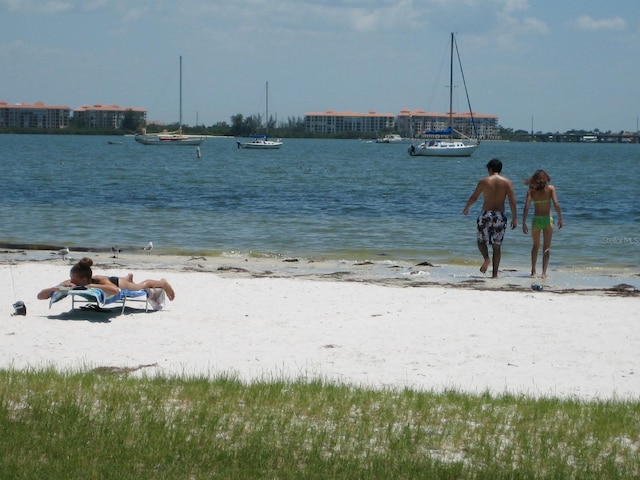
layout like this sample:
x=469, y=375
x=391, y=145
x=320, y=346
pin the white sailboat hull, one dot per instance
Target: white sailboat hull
x=176, y=137
x=443, y=148
x=447, y=145
x=169, y=139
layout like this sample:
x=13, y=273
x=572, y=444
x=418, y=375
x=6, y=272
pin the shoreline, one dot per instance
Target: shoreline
x=385, y=271
x=238, y=317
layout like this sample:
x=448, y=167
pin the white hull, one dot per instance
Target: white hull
x=447, y=145
x=392, y=138
x=443, y=148
x=261, y=144
x=169, y=139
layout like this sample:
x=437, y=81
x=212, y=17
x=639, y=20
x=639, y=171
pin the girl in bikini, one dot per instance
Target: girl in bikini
x=542, y=195
x=81, y=275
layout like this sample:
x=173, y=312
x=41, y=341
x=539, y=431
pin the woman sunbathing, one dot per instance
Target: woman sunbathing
x=81, y=275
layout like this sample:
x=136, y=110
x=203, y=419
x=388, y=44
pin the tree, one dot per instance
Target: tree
x=131, y=121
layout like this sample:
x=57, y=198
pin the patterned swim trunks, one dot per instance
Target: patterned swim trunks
x=491, y=227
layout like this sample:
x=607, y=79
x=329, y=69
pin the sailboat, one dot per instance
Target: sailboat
x=171, y=138
x=447, y=145
x=261, y=141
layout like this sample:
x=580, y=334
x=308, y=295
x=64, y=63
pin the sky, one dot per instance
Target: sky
x=550, y=65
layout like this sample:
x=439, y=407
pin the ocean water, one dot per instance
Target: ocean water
x=323, y=199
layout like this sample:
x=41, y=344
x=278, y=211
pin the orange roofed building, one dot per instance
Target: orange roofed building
x=39, y=115
x=334, y=122
x=33, y=115
x=419, y=121
x=106, y=116
x=407, y=123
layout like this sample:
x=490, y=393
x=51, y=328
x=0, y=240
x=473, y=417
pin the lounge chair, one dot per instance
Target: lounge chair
x=96, y=299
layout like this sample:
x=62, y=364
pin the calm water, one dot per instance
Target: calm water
x=313, y=198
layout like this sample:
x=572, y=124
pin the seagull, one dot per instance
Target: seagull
x=115, y=250
x=63, y=252
x=148, y=247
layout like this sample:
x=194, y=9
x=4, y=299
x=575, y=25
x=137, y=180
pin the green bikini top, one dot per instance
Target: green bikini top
x=546, y=200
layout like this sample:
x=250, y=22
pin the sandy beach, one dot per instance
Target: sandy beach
x=237, y=317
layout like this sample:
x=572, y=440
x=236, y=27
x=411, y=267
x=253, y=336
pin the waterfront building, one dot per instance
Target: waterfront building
x=33, y=115
x=336, y=122
x=418, y=121
x=106, y=116
x=406, y=123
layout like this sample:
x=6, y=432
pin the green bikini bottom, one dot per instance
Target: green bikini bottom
x=540, y=223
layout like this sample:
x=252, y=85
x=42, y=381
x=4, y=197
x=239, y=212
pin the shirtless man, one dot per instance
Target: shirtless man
x=492, y=222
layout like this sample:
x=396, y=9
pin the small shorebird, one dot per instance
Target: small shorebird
x=63, y=252
x=116, y=251
x=148, y=247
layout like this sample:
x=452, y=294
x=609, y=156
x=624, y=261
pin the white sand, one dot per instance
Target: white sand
x=434, y=337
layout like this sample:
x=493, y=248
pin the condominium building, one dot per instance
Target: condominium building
x=33, y=115
x=106, y=116
x=416, y=122
x=335, y=122
x=408, y=123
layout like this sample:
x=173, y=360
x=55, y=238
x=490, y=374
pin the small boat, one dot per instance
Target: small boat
x=261, y=141
x=391, y=138
x=170, y=138
x=448, y=147
x=113, y=142
x=443, y=148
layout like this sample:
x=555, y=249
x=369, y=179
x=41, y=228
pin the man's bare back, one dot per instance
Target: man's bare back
x=495, y=189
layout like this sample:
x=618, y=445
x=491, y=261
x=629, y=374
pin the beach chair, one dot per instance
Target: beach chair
x=96, y=299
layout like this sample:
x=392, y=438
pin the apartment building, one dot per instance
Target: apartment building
x=33, y=115
x=418, y=121
x=335, y=122
x=106, y=116
x=407, y=123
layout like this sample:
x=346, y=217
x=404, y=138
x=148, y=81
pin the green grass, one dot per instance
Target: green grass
x=66, y=425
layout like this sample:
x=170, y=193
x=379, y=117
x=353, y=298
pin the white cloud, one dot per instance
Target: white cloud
x=587, y=24
x=534, y=25
x=33, y=6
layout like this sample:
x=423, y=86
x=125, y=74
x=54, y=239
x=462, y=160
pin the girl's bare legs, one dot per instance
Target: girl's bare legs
x=128, y=284
x=535, y=236
x=547, y=233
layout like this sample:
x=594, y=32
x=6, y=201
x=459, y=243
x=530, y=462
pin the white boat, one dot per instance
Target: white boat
x=447, y=145
x=171, y=138
x=262, y=142
x=391, y=138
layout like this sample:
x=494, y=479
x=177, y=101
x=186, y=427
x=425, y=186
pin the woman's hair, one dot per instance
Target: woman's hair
x=538, y=180
x=83, y=268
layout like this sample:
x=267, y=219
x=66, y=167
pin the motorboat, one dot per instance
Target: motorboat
x=261, y=142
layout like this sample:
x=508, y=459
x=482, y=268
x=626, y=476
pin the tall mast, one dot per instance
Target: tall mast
x=451, y=90
x=267, y=106
x=180, y=124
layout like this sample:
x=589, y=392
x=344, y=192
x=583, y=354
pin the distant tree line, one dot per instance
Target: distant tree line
x=293, y=127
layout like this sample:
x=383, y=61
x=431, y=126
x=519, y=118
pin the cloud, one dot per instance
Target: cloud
x=587, y=24
x=33, y=6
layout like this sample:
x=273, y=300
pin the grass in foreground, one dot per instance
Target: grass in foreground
x=90, y=425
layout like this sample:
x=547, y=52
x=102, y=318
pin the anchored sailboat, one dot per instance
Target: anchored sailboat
x=262, y=142
x=447, y=145
x=171, y=138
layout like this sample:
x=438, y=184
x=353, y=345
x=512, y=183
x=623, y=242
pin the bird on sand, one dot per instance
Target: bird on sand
x=116, y=251
x=63, y=252
x=148, y=247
